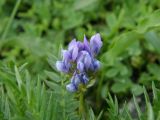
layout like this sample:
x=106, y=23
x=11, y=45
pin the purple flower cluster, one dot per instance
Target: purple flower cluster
x=79, y=60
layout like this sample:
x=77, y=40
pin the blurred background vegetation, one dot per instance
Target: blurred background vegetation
x=32, y=33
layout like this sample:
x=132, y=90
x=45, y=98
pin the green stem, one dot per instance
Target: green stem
x=99, y=87
x=11, y=19
x=81, y=105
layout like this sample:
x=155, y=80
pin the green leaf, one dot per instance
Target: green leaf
x=146, y=95
x=53, y=86
x=83, y=4
x=127, y=112
x=150, y=112
x=91, y=114
x=7, y=109
x=120, y=87
x=28, y=86
x=100, y=115
x=53, y=76
x=112, y=72
x=137, y=108
x=149, y=21
x=114, y=23
x=154, y=40
x=137, y=89
x=154, y=69
x=73, y=19
x=49, y=108
x=119, y=45
x=154, y=91
x=18, y=77
x=111, y=20
x=113, y=108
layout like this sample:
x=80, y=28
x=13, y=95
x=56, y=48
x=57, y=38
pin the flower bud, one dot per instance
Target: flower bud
x=62, y=67
x=95, y=44
x=71, y=87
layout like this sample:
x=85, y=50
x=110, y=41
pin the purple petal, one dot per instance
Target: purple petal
x=80, y=45
x=72, y=44
x=86, y=44
x=87, y=61
x=95, y=43
x=85, y=58
x=84, y=78
x=96, y=65
x=74, y=53
x=71, y=87
x=77, y=80
x=82, y=55
x=60, y=65
x=80, y=66
x=66, y=55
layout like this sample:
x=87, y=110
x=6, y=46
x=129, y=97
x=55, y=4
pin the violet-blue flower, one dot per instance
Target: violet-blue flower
x=73, y=50
x=79, y=60
x=62, y=67
x=95, y=65
x=71, y=87
x=76, y=80
x=84, y=78
x=85, y=58
x=86, y=45
x=80, y=66
x=95, y=43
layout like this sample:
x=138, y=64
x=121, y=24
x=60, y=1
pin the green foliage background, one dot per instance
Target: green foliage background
x=32, y=33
